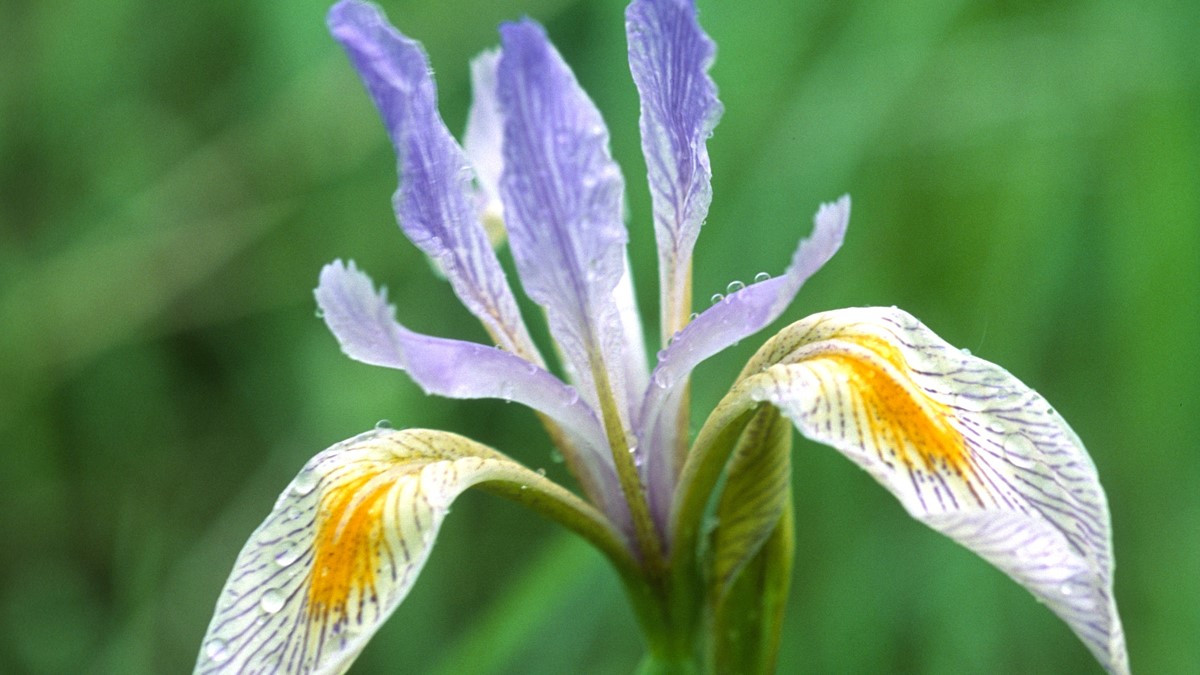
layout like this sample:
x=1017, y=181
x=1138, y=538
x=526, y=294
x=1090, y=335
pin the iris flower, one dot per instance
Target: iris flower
x=699, y=529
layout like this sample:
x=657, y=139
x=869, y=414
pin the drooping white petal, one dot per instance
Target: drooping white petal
x=966, y=448
x=341, y=549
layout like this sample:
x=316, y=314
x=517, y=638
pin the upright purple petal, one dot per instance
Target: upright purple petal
x=483, y=139
x=562, y=204
x=365, y=325
x=669, y=56
x=739, y=315
x=433, y=203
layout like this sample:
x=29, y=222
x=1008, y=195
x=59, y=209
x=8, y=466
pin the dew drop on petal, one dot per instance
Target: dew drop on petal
x=319, y=314
x=288, y=556
x=541, y=471
x=661, y=380
x=305, y=482
x=1020, y=451
x=272, y=601
x=572, y=396
x=965, y=351
x=383, y=424
x=662, y=354
x=734, y=286
x=761, y=277
x=693, y=316
x=217, y=650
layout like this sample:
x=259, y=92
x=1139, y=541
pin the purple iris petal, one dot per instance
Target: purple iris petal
x=562, y=204
x=484, y=136
x=737, y=316
x=365, y=326
x=669, y=56
x=432, y=203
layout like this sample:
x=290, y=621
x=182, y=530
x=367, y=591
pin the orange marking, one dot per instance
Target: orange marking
x=898, y=411
x=349, y=536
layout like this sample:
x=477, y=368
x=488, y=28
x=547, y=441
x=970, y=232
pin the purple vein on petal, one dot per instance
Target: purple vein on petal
x=669, y=57
x=434, y=202
x=562, y=203
x=738, y=316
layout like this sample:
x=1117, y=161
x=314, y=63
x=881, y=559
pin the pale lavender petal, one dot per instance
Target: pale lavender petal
x=562, y=203
x=433, y=203
x=737, y=316
x=637, y=376
x=669, y=56
x=365, y=325
x=484, y=137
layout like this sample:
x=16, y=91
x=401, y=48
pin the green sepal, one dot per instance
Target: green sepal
x=750, y=556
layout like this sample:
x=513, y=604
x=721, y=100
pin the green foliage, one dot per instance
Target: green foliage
x=173, y=176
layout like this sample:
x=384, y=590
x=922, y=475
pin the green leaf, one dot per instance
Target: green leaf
x=747, y=617
x=755, y=495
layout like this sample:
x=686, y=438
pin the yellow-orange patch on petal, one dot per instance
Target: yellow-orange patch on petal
x=897, y=413
x=348, y=542
x=966, y=447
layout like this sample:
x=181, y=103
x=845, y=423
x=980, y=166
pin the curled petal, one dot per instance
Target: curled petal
x=432, y=203
x=342, y=547
x=562, y=204
x=966, y=448
x=669, y=56
x=365, y=325
x=735, y=317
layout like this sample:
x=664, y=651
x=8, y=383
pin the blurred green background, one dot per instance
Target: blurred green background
x=173, y=176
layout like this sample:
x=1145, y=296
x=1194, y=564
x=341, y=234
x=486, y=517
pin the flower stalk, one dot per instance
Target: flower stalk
x=699, y=531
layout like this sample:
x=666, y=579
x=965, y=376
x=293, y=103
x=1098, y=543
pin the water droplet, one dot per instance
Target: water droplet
x=217, y=650
x=293, y=513
x=965, y=351
x=572, y=396
x=531, y=367
x=716, y=297
x=319, y=314
x=383, y=424
x=1020, y=451
x=996, y=428
x=524, y=487
x=272, y=601
x=1049, y=411
x=661, y=380
x=662, y=354
x=734, y=286
x=761, y=277
x=288, y=556
x=305, y=482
